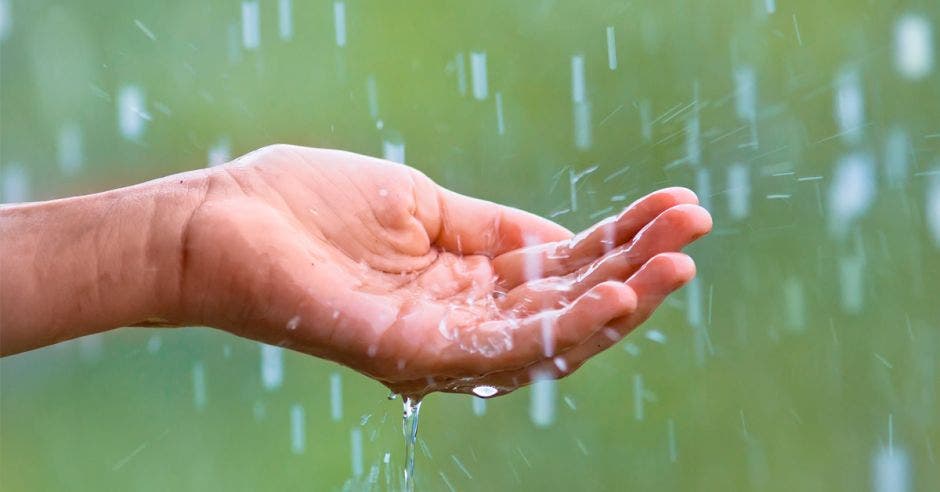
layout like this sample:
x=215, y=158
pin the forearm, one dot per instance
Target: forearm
x=84, y=265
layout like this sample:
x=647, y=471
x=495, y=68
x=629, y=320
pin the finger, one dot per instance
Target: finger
x=544, y=334
x=659, y=277
x=472, y=226
x=519, y=266
x=671, y=231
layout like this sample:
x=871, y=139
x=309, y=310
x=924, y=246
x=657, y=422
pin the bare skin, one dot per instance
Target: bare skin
x=349, y=258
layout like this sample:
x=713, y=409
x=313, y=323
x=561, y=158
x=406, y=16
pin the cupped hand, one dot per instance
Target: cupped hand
x=371, y=264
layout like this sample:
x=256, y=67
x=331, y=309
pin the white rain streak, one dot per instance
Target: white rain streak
x=657, y=336
x=913, y=47
x=132, y=112
x=770, y=6
x=144, y=29
x=298, y=429
x=154, y=343
x=479, y=406
x=646, y=120
x=478, y=75
x=548, y=338
x=638, y=396
x=896, y=157
x=234, y=49
x=851, y=192
x=611, y=48
x=573, y=178
x=745, y=98
x=372, y=95
x=739, y=191
x=851, y=271
x=693, y=139
x=285, y=22
x=745, y=93
x=932, y=210
x=69, y=148
x=500, y=122
x=336, y=397
x=5, y=20
x=582, y=109
x=694, y=316
x=393, y=151
x=795, y=302
x=850, y=105
x=703, y=187
x=199, y=385
x=582, y=125
x=542, y=402
x=796, y=29
x=577, y=79
x=355, y=448
x=272, y=366
x=461, y=74
x=251, y=33
x=220, y=153
x=891, y=471
x=532, y=262
x=339, y=22
x=671, y=437
x=693, y=311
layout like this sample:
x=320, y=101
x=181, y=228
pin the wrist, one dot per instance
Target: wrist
x=169, y=204
x=87, y=264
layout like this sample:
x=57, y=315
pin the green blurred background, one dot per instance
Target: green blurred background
x=804, y=356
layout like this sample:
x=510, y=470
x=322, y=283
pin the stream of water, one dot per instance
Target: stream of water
x=412, y=408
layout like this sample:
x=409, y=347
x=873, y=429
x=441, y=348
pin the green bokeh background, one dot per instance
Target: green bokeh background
x=780, y=370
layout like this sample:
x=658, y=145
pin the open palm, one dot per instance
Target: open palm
x=371, y=264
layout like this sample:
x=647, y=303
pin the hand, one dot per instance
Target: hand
x=371, y=264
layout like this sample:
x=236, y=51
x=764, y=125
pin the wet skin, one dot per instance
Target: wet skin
x=372, y=265
x=350, y=258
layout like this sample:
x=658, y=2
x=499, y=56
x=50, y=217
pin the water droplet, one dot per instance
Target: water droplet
x=485, y=391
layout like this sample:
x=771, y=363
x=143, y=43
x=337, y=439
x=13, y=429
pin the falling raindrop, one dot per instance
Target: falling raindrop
x=478, y=75
x=272, y=366
x=298, y=432
x=913, y=46
x=542, y=402
x=251, y=36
